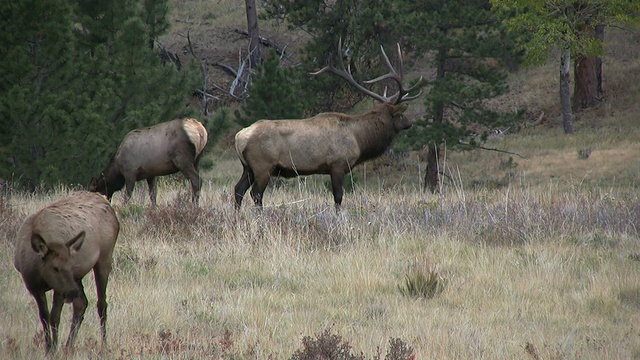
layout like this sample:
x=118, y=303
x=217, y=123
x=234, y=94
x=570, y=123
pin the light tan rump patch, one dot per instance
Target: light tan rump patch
x=241, y=140
x=197, y=133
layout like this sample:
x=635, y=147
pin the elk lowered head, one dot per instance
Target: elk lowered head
x=108, y=187
x=56, y=267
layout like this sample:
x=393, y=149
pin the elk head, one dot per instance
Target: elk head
x=56, y=268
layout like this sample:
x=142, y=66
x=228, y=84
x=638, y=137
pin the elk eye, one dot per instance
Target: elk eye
x=56, y=269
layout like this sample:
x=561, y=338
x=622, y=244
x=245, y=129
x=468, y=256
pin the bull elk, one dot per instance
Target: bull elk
x=328, y=143
x=56, y=247
x=158, y=150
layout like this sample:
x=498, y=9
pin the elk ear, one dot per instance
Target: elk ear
x=75, y=243
x=39, y=245
x=93, y=184
x=398, y=109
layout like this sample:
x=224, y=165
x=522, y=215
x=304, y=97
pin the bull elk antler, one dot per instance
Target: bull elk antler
x=402, y=94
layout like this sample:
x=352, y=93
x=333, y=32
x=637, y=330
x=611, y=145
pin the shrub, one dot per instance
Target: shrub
x=325, y=346
x=399, y=350
x=422, y=281
x=331, y=346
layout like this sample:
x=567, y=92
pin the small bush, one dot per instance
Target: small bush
x=422, y=281
x=325, y=346
x=399, y=350
x=330, y=346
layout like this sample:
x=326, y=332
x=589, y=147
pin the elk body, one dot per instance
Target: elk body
x=56, y=247
x=328, y=143
x=158, y=150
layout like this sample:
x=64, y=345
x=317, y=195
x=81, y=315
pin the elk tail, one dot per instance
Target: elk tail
x=197, y=134
x=241, y=140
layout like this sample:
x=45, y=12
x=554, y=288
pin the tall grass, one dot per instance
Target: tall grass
x=525, y=268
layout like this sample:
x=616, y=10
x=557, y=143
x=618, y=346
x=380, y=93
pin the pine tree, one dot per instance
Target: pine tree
x=75, y=77
x=155, y=15
x=469, y=47
x=273, y=94
x=34, y=101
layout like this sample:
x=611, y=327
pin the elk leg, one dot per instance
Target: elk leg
x=190, y=172
x=43, y=311
x=258, y=188
x=56, y=309
x=153, y=192
x=337, y=179
x=246, y=180
x=79, y=306
x=101, y=274
x=196, y=185
x=128, y=189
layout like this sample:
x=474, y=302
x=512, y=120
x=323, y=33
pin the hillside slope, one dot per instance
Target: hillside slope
x=604, y=147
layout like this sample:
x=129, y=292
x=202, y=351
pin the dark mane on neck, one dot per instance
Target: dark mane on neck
x=374, y=132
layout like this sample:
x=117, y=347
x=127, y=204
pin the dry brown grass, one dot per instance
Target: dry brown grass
x=524, y=267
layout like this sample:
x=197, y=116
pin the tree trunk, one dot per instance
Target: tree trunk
x=586, y=85
x=588, y=71
x=599, y=75
x=431, y=177
x=565, y=91
x=255, y=56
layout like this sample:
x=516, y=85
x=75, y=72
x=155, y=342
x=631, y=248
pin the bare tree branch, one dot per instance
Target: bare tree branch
x=496, y=150
x=227, y=68
x=263, y=41
x=206, y=94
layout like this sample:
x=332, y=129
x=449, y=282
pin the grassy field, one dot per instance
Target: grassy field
x=527, y=256
x=551, y=270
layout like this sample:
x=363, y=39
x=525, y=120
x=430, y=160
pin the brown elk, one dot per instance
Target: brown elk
x=158, y=150
x=56, y=247
x=328, y=143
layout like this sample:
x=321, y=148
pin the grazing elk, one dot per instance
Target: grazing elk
x=158, y=150
x=56, y=247
x=328, y=143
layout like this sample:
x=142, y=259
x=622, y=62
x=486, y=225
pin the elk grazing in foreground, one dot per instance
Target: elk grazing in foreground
x=158, y=150
x=328, y=143
x=56, y=247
